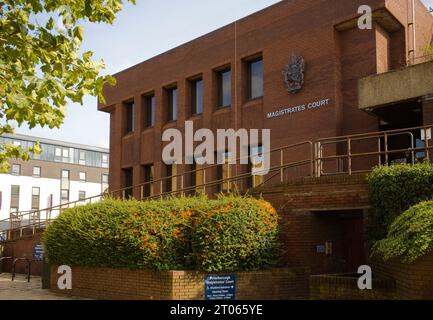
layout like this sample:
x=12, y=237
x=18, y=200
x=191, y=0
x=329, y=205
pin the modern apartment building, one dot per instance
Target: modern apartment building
x=64, y=172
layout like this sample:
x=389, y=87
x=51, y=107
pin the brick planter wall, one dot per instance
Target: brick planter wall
x=345, y=287
x=413, y=281
x=122, y=284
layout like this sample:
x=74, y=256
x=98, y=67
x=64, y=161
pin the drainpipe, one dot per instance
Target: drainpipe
x=412, y=25
x=414, y=30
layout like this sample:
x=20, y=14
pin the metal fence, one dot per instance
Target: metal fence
x=344, y=155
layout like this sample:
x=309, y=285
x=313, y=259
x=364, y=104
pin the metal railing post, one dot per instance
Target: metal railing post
x=282, y=166
x=379, y=146
x=386, y=149
x=412, y=146
x=312, y=160
x=318, y=160
x=204, y=181
x=349, y=153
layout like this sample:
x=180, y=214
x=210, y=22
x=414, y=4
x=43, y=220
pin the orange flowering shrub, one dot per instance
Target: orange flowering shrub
x=235, y=233
x=230, y=233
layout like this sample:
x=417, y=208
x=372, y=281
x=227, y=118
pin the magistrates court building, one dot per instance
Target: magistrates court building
x=306, y=71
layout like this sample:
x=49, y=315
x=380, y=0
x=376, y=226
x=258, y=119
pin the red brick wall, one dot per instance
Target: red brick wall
x=23, y=248
x=325, y=193
x=345, y=287
x=335, y=60
x=107, y=284
x=313, y=211
x=413, y=281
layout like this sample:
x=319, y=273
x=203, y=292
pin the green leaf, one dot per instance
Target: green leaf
x=40, y=66
x=79, y=33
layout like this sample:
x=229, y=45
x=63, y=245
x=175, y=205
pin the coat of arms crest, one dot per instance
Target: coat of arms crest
x=294, y=73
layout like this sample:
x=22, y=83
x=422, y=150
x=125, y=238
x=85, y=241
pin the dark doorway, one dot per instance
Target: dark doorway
x=338, y=237
x=400, y=116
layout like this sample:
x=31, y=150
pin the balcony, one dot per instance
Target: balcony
x=414, y=81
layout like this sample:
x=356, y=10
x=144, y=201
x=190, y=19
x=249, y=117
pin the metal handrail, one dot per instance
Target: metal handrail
x=213, y=166
x=387, y=132
x=28, y=267
x=386, y=152
x=315, y=160
x=163, y=179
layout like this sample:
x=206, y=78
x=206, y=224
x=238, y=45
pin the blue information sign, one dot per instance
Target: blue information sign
x=220, y=287
x=39, y=252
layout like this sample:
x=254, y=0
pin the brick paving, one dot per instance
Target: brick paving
x=20, y=289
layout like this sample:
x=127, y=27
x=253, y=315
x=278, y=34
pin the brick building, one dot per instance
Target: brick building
x=355, y=81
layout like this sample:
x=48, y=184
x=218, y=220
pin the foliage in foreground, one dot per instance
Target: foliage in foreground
x=230, y=233
x=41, y=64
x=410, y=235
x=393, y=190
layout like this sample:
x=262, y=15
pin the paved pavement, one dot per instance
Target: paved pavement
x=20, y=289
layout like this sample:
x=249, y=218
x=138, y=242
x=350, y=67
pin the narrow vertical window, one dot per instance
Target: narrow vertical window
x=197, y=177
x=223, y=172
x=15, y=191
x=129, y=117
x=82, y=158
x=149, y=112
x=148, y=180
x=36, y=192
x=104, y=160
x=196, y=97
x=224, y=79
x=58, y=154
x=15, y=197
x=170, y=178
x=255, y=78
x=127, y=182
x=64, y=186
x=104, y=182
x=172, y=104
x=255, y=166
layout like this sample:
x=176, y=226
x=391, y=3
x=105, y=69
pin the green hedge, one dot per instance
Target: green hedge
x=230, y=233
x=410, y=235
x=393, y=190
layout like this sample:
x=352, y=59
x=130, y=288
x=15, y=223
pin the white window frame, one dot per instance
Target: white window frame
x=85, y=176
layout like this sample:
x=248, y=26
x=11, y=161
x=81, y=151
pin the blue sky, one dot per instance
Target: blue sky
x=140, y=32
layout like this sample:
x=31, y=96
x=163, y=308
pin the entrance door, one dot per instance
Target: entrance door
x=353, y=243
